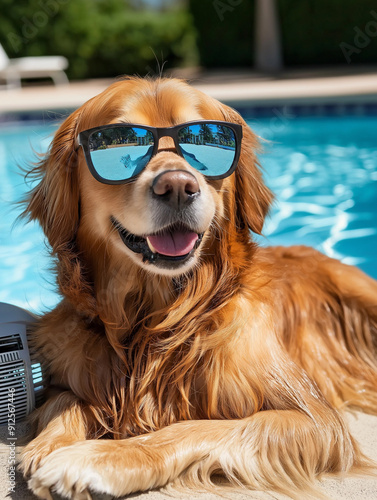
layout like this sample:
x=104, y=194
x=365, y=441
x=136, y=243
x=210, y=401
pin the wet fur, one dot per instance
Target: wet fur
x=239, y=367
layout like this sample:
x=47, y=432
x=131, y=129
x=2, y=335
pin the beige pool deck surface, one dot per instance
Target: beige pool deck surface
x=301, y=86
x=324, y=86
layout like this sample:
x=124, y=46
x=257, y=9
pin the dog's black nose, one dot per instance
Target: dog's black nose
x=177, y=188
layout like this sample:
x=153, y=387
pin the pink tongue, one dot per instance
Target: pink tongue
x=174, y=243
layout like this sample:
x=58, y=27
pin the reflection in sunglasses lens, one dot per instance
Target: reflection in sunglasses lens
x=120, y=153
x=208, y=147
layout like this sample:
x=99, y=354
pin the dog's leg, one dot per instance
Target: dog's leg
x=272, y=450
x=59, y=422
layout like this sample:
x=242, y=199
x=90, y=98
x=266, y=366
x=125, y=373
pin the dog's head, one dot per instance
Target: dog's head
x=169, y=216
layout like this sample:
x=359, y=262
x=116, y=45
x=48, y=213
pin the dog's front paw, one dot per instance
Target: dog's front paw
x=71, y=473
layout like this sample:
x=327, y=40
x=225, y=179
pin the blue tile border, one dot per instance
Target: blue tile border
x=48, y=117
x=308, y=110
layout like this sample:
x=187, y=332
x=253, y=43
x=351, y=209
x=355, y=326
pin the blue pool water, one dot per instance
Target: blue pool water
x=324, y=173
x=25, y=279
x=322, y=169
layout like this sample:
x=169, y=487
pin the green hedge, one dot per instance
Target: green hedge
x=225, y=31
x=101, y=38
x=322, y=31
x=314, y=32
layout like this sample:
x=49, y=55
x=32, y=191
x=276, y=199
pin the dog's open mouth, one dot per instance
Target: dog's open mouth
x=174, y=244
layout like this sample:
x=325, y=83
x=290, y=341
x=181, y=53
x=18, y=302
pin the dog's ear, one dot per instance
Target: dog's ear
x=253, y=197
x=54, y=201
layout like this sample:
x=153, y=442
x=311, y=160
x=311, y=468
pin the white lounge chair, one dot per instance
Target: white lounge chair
x=13, y=70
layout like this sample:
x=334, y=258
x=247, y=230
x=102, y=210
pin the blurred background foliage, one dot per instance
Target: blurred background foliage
x=224, y=37
x=107, y=38
x=100, y=38
x=311, y=31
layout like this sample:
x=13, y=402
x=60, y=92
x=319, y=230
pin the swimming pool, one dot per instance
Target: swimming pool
x=322, y=169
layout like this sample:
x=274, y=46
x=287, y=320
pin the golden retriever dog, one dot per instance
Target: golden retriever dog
x=181, y=352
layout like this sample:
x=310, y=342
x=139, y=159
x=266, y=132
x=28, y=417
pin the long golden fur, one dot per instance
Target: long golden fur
x=237, y=366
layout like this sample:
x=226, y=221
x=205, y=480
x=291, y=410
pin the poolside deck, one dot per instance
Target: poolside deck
x=233, y=87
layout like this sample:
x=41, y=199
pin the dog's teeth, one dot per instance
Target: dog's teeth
x=151, y=247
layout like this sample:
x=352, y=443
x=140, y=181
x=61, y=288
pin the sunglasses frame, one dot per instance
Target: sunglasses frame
x=158, y=132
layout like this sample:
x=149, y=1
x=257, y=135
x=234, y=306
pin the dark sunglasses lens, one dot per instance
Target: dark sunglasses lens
x=208, y=147
x=120, y=153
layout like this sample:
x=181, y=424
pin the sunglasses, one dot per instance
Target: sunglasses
x=117, y=153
